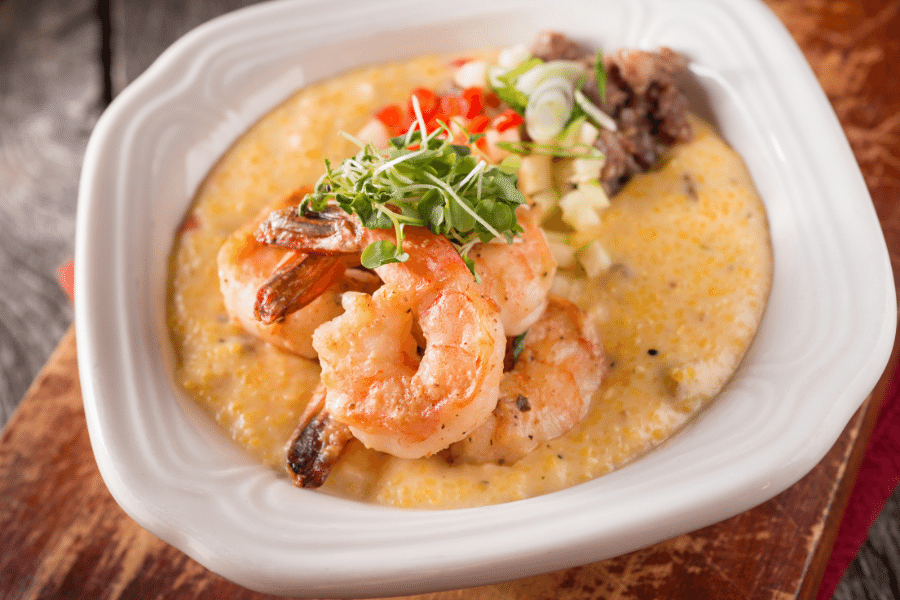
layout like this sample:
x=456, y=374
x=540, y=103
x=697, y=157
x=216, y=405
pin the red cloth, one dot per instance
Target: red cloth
x=65, y=274
x=879, y=475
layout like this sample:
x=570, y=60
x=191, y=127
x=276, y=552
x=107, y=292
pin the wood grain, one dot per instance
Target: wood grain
x=142, y=30
x=50, y=98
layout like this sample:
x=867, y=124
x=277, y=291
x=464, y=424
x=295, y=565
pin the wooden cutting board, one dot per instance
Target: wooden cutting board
x=62, y=536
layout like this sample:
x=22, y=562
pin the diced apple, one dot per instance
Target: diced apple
x=472, y=73
x=375, y=132
x=535, y=173
x=578, y=210
x=512, y=57
x=563, y=253
x=585, y=169
x=545, y=201
x=587, y=133
x=595, y=193
x=567, y=286
x=594, y=259
x=492, y=137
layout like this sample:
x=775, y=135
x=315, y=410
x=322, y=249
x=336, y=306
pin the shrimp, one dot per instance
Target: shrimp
x=374, y=378
x=279, y=295
x=391, y=398
x=547, y=392
x=517, y=276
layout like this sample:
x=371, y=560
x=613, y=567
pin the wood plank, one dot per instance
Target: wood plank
x=142, y=30
x=50, y=97
x=67, y=538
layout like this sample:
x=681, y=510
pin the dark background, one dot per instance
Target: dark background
x=61, y=63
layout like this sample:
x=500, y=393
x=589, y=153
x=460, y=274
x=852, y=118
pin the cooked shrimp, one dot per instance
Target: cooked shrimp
x=517, y=276
x=280, y=295
x=377, y=384
x=547, y=392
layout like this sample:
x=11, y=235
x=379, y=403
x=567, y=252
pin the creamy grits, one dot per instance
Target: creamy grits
x=678, y=308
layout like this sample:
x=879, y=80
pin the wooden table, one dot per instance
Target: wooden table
x=64, y=537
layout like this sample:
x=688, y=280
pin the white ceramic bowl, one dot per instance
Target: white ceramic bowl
x=823, y=343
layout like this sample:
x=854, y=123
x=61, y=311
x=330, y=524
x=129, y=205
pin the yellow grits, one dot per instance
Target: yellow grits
x=692, y=268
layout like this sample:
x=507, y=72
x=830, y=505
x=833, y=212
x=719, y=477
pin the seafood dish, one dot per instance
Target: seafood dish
x=455, y=281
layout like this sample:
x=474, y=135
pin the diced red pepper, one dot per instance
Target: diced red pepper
x=428, y=102
x=458, y=62
x=472, y=102
x=406, y=123
x=450, y=106
x=491, y=100
x=391, y=115
x=507, y=120
x=460, y=139
x=479, y=124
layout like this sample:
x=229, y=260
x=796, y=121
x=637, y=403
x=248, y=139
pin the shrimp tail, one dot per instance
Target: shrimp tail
x=317, y=444
x=299, y=280
x=316, y=449
x=329, y=231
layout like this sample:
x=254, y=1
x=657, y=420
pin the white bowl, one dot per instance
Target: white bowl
x=823, y=344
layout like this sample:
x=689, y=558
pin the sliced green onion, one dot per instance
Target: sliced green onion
x=593, y=112
x=548, y=109
x=600, y=75
x=568, y=70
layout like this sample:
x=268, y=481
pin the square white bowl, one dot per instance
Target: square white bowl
x=824, y=341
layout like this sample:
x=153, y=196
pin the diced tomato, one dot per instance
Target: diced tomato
x=428, y=102
x=391, y=115
x=472, y=102
x=478, y=124
x=507, y=120
x=459, y=139
x=491, y=100
x=450, y=106
x=458, y=62
x=481, y=144
x=406, y=123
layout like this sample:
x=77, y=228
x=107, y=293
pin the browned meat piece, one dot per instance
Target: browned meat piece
x=641, y=96
x=649, y=109
x=552, y=45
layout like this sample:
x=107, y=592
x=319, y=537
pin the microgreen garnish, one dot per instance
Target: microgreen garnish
x=436, y=184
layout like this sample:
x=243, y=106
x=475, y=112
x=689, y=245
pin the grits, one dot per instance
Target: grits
x=692, y=268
